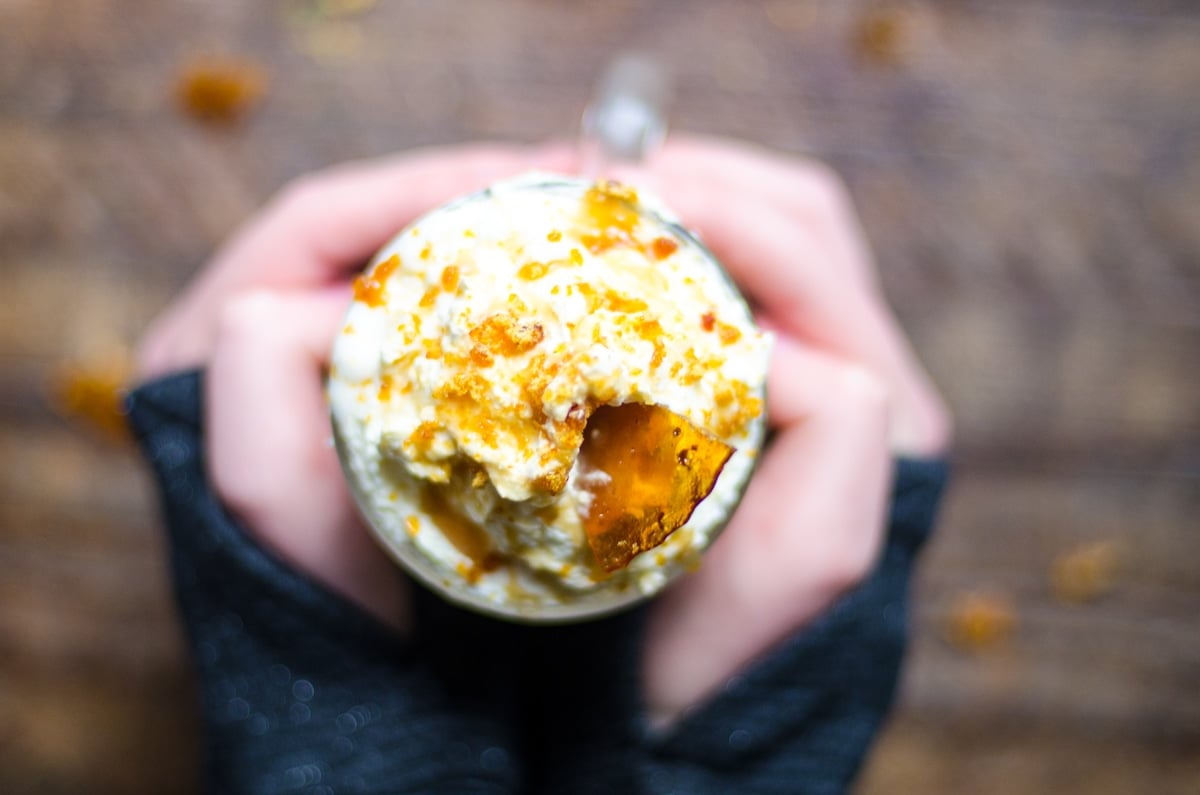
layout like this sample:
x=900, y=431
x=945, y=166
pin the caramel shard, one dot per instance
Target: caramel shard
x=647, y=469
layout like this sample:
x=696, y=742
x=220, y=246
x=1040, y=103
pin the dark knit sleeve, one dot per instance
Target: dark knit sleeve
x=802, y=719
x=799, y=720
x=301, y=691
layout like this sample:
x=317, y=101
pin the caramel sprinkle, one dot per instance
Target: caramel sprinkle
x=610, y=216
x=728, y=334
x=533, y=270
x=663, y=247
x=369, y=287
x=504, y=334
x=422, y=438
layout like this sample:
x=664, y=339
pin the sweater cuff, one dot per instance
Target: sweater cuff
x=802, y=718
x=298, y=686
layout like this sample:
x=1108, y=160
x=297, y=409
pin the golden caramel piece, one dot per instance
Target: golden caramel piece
x=980, y=621
x=647, y=469
x=220, y=90
x=1087, y=572
x=92, y=394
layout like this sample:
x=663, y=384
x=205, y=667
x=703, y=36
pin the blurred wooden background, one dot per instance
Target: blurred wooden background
x=1028, y=171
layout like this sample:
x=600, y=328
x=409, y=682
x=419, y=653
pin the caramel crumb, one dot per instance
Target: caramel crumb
x=610, y=215
x=728, y=334
x=450, y=278
x=505, y=334
x=430, y=296
x=386, y=384
x=980, y=621
x=369, y=287
x=480, y=356
x=93, y=395
x=533, y=270
x=879, y=37
x=1087, y=572
x=413, y=525
x=663, y=247
x=620, y=303
x=554, y=236
x=220, y=90
x=421, y=439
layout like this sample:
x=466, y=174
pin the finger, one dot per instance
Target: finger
x=318, y=229
x=268, y=447
x=806, y=189
x=810, y=527
x=780, y=254
x=770, y=250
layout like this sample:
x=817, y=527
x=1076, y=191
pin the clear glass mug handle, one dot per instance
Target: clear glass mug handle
x=626, y=119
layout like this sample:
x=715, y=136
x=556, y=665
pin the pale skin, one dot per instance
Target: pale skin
x=845, y=393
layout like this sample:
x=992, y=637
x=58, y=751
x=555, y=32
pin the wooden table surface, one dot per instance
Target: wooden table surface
x=1028, y=172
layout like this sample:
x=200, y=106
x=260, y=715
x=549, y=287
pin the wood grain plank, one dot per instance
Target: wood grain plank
x=1028, y=171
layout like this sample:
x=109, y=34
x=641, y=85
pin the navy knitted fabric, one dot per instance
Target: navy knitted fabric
x=303, y=692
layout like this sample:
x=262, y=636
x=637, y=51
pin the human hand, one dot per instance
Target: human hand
x=262, y=317
x=842, y=383
x=845, y=394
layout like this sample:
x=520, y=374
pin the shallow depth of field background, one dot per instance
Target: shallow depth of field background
x=1028, y=172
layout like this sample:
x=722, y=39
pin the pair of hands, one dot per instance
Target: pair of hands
x=845, y=393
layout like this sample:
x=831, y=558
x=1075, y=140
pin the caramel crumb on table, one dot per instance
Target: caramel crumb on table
x=1087, y=572
x=92, y=394
x=879, y=36
x=980, y=621
x=220, y=90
